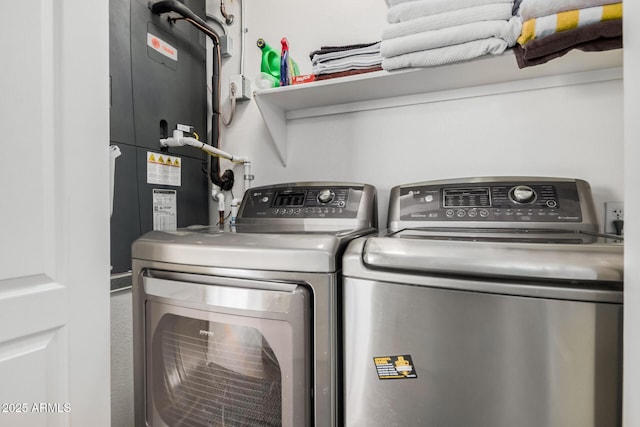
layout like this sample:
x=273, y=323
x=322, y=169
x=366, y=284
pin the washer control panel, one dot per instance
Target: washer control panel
x=491, y=201
x=312, y=200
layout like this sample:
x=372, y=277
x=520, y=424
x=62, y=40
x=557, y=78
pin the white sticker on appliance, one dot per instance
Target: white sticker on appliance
x=165, y=210
x=163, y=169
x=161, y=46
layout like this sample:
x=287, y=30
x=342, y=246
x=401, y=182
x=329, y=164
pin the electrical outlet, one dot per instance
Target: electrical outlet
x=612, y=211
x=242, y=87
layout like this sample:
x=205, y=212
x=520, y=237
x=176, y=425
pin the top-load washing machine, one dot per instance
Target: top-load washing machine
x=239, y=327
x=490, y=302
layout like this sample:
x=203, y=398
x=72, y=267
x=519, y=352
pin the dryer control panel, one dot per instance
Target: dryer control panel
x=493, y=202
x=317, y=200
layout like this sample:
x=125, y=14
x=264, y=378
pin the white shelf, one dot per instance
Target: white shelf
x=483, y=76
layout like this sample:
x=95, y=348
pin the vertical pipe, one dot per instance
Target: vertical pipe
x=243, y=31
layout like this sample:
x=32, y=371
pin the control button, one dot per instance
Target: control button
x=484, y=213
x=473, y=213
x=275, y=211
x=326, y=195
x=522, y=194
x=450, y=213
x=429, y=198
x=341, y=204
x=552, y=203
x=461, y=213
x=265, y=199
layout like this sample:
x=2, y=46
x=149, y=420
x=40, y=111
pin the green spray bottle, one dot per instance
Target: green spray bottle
x=270, y=63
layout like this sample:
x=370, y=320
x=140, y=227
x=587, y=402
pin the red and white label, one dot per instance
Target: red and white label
x=159, y=45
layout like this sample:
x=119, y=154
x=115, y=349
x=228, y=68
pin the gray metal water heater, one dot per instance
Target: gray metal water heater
x=157, y=81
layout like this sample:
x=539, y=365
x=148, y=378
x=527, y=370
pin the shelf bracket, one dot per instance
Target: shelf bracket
x=276, y=122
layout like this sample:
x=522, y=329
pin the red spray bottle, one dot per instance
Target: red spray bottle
x=285, y=66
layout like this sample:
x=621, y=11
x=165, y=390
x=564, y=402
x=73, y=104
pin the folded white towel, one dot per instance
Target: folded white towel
x=536, y=8
x=415, y=9
x=394, y=2
x=446, y=55
x=506, y=30
x=467, y=15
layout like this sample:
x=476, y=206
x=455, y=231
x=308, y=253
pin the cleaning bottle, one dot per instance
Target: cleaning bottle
x=270, y=60
x=285, y=75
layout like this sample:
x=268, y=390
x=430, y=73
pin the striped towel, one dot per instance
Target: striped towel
x=528, y=9
x=596, y=37
x=540, y=27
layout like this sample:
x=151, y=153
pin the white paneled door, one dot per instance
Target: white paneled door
x=54, y=216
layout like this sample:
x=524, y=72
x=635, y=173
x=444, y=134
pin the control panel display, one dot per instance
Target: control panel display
x=466, y=197
x=323, y=201
x=500, y=201
x=289, y=199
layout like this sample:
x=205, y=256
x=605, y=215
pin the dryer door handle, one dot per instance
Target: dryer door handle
x=223, y=295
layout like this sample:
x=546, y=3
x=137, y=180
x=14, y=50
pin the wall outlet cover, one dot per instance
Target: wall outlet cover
x=612, y=211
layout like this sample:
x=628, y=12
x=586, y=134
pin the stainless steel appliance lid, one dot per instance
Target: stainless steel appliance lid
x=555, y=261
x=284, y=249
x=520, y=235
x=300, y=226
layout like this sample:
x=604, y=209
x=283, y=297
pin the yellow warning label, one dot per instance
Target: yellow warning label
x=395, y=367
x=163, y=169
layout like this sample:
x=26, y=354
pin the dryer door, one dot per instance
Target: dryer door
x=234, y=353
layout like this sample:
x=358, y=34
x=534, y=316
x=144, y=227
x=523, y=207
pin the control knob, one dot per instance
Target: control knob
x=523, y=194
x=326, y=195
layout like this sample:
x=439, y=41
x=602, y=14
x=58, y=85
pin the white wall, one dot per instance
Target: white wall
x=573, y=131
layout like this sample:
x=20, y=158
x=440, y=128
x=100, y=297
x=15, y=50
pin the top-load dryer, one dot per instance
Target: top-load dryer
x=239, y=327
x=490, y=302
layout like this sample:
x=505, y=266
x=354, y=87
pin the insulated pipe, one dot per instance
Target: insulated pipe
x=243, y=31
x=178, y=140
x=224, y=181
x=166, y=6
